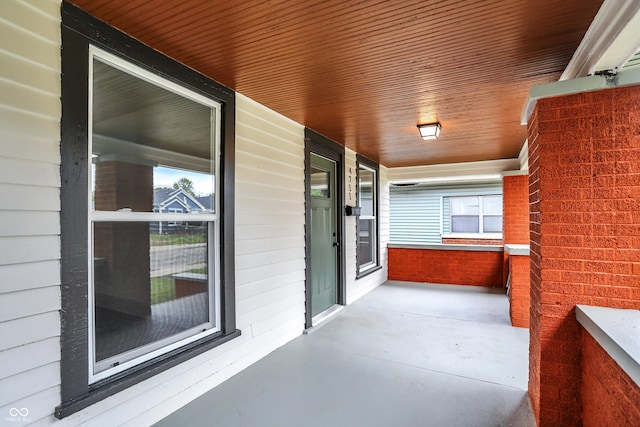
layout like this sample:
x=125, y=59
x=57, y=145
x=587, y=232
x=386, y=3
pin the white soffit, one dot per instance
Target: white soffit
x=611, y=40
x=484, y=171
x=633, y=62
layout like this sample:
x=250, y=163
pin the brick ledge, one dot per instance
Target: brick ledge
x=617, y=331
x=479, y=248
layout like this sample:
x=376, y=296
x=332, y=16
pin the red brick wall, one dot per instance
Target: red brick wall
x=187, y=287
x=584, y=167
x=123, y=185
x=124, y=285
x=451, y=267
x=609, y=396
x=519, y=291
x=515, y=230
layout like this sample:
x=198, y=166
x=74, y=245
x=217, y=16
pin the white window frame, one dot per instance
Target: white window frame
x=97, y=371
x=481, y=234
x=175, y=210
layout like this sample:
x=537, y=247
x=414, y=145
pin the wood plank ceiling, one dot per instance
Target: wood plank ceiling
x=366, y=72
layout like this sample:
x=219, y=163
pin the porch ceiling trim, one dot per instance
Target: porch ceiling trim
x=490, y=170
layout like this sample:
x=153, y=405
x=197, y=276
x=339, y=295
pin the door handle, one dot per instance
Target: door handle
x=336, y=244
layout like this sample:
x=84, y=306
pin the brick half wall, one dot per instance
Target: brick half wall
x=444, y=266
x=609, y=396
x=519, y=291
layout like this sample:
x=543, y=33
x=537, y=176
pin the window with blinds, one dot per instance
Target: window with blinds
x=422, y=214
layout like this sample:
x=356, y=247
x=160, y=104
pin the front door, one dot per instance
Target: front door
x=324, y=241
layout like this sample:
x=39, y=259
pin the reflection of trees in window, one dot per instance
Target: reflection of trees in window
x=185, y=184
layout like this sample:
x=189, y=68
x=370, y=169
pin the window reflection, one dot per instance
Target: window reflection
x=148, y=286
x=320, y=183
x=153, y=214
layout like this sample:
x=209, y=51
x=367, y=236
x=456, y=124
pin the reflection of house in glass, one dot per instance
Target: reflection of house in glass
x=170, y=200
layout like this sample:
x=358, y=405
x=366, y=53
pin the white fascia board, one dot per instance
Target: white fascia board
x=523, y=157
x=490, y=170
x=515, y=173
x=624, y=46
x=612, y=38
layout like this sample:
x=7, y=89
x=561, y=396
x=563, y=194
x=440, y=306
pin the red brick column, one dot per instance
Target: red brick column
x=515, y=230
x=122, y=278
x=515, y=217
x=584, y=192
x=519, y=291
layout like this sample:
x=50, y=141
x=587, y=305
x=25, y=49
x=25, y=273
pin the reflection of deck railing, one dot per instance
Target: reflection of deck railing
x=187, y=284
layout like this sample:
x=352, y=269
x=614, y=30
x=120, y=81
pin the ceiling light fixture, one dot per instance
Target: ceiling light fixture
x=430, y=130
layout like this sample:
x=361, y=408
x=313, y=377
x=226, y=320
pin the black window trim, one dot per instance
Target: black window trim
x=79, y=30
x=360, y=159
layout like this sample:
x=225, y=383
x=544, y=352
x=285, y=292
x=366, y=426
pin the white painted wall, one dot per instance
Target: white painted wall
x=270, y=260
x=270, y=251
x=30, y=112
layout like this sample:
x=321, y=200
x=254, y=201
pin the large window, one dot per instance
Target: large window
x=476, y=214
x=367, y=223
x=154, y=151
x=146, y=212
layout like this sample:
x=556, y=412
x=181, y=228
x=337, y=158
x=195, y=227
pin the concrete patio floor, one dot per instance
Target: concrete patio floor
x=404, y=355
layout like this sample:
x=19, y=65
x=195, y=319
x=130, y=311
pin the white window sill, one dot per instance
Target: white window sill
x=513, y=249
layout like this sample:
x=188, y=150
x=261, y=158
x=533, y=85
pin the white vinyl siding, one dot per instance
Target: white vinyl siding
x=415, y=216
x=30, y=112
x=350, y=236
x=420, y=213
x=269, y=222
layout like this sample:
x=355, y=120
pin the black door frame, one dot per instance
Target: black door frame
x=321, y=145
